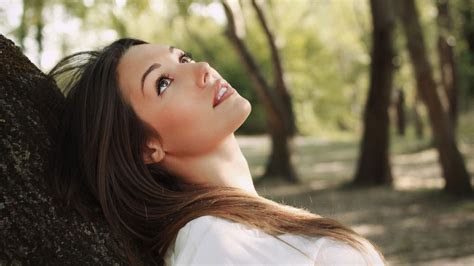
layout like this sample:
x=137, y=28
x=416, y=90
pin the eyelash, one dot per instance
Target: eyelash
x=166, y=76
x=185, y=54
x=160, y=79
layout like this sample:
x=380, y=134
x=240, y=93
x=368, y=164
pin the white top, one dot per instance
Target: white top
x=210, y=240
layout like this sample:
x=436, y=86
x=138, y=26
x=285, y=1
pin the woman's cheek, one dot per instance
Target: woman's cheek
x=185, y=131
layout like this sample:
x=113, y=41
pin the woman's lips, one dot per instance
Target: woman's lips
x=221, y=84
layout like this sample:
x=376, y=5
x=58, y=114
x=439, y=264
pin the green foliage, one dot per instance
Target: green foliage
x=324, y=46
x=326, y=63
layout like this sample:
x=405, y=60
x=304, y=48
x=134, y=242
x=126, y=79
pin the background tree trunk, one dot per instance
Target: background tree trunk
x=280, y=163
x=35, y=228
x=467, y=17
x=374, y=165
x=38, y=7
x=22, y=30
x=447, y=62
x=452, y=163
x=278, y=73
x=419, y=129
x=400, y=110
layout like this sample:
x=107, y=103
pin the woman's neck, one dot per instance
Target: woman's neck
x=224, y=166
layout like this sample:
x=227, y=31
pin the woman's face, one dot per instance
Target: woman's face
x=176, y=96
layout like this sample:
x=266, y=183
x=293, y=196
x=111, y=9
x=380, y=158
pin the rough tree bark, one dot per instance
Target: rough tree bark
x=447, y=62
x=35, y=228
x=280, y=164
x=457, y=179
x=373, y=167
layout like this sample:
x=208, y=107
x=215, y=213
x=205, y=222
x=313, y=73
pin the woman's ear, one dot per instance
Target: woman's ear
x=153, y=152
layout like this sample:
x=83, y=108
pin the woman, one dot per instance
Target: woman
x=148, y=134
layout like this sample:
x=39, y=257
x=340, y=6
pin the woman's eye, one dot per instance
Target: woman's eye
x=185, y=58
x=162, y=84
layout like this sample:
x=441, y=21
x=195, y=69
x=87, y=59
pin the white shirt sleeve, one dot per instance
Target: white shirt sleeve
x=334, y=252
x=214, y=243
x=209, y=240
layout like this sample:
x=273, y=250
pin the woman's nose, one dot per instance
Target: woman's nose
x=202, y=72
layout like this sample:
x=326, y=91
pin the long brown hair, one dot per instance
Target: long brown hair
x=99, y=157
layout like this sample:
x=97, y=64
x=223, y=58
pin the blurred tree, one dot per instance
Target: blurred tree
x=400, y=111
x=467, y=13
x=278, y=73
x=447, y=61
x=38, y=6
x=466, y=8
x=373, y=167
x=452, y=163
x=280, y=163
x=22, y=29
x=419, y=129
x=31, y=16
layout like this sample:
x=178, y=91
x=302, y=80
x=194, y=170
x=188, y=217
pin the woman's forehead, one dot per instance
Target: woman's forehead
x=136, y=60
x=144, y=52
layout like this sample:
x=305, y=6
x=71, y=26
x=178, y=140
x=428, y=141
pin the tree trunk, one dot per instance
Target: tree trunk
x=419, y=129
x=22, y=29
x=374, y=165
x=447, y=62
x=38, y=7
x=35, y=228
x=454, y=171
x=400, y=107
x=466, y=8
x=280, y=85
x=467, y=15
x=280, y=164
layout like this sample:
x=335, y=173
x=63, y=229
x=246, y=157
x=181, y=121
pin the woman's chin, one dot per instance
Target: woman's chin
x=244, y=109
x=247, y=108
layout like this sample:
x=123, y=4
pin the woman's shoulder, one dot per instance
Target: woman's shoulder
x=214, y=225
x=336, y=252
x=198, y=225
x=210, y=240
x=207, y=228
x=216, y=240
x=202, y=226
x=205, y=221
x=204, y=237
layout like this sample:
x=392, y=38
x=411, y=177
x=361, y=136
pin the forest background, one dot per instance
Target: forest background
x=326, y=52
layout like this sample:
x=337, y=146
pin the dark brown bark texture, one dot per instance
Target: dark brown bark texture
x=457, y=179
x=447, y=62
x=35, y=228
x=373, y=167
x=280, y=164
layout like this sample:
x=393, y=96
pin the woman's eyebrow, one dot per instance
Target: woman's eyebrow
x=151, y=68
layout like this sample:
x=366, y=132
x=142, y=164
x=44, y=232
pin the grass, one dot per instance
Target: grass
x=414, y=222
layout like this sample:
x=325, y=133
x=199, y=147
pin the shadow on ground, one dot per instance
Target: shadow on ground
x=413, y=223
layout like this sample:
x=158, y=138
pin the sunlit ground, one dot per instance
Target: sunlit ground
x=413, y=223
